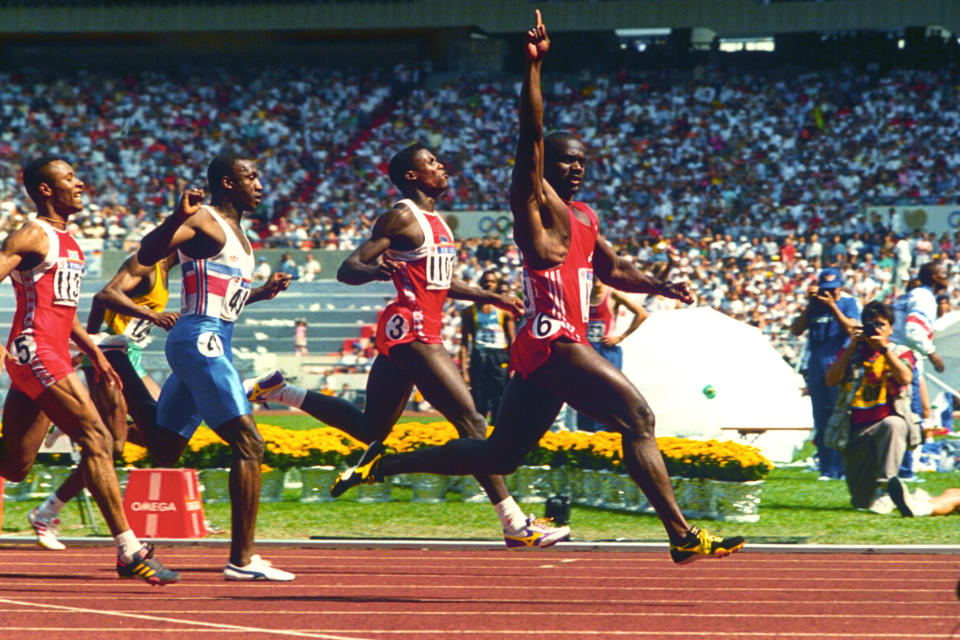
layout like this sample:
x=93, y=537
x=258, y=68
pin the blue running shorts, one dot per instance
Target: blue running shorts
x=204, y=385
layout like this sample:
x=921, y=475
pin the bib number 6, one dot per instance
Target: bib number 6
x=544, y=326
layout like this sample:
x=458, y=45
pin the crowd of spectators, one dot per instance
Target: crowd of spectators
x=751, y=182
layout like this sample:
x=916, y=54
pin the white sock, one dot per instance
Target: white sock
x=511, y=516
x=127, y=545
x=50, y=508
x=288, y=394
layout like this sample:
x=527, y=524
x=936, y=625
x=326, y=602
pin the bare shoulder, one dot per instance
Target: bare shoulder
x=30, y=238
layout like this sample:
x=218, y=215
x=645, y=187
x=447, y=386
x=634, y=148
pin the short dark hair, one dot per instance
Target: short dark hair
x=220, y=167
x=925, y=274
x=555, y=140
x=876, y=309
x=35, y=172
x=402, y=161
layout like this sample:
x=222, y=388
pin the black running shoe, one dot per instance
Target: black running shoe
x=146, y=567
x=123, y=570
x=700, y=544
x=364, y=472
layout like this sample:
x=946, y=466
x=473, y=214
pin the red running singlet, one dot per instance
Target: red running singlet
x=601, y=318
x=47, y=298
x=422, y=283
x=556, y=301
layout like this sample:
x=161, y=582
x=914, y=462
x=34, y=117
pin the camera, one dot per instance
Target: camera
x=870, y=328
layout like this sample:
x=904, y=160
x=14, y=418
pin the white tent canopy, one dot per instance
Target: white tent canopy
x=676, y=353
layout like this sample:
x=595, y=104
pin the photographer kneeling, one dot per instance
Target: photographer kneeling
x=875, y=377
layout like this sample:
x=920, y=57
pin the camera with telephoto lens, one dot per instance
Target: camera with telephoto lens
x=870, y=328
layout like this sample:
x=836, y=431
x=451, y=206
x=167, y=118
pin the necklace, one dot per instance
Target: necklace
x=54, y=222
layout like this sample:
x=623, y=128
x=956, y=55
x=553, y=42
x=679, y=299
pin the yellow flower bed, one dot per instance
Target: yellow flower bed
x=602, y=450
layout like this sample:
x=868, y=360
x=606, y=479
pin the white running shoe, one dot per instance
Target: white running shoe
x=258, y=569
x=46, y=532
x=257, y=388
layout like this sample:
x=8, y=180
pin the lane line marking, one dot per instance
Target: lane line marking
x=197, y=623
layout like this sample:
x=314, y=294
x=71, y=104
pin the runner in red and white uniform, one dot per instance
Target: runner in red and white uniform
x=561, y=252
x=412, y=245
x=46, y=266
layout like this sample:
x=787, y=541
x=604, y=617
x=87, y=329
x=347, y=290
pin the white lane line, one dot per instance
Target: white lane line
x=213, y=625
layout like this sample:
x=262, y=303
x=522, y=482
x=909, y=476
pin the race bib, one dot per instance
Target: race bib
x=66, y=282
x=595, y=331
x=238, y=290
x=396, y=327
x=209, y=344
x=585, y=278
x=440, y=270
x=543, y=326
x=23, y=348
x=138, y=331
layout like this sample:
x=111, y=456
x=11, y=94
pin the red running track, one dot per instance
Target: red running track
x=372, y=594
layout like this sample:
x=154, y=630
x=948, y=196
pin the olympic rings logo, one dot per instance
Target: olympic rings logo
x=499, y=225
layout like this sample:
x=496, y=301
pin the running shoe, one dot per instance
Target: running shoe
x=256, y=388
x=536, y=532
x=147, y=568
x=257, y=569
x=46, y=531
x=700, y=544
x=124, y=570
x=900, y=496
x=364, y=472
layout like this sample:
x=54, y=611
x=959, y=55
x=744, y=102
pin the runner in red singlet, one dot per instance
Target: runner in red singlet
x=46, y=266
x=412, y=245
x=561, y=251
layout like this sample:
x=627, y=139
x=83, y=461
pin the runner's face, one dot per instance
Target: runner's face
x=249, y=192
x=66, y=188
x=430, y=176
x=488, y=283
x=565, y=167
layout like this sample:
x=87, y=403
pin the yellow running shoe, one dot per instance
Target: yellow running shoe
x=364, y=472
x=698, y=544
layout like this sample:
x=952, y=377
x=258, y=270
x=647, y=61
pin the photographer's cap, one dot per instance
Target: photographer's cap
x=830, y=278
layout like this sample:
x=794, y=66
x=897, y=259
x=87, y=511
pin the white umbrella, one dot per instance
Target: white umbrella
x=946, y=339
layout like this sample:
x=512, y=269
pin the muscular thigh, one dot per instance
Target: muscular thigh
x=526, y=412
x=590, y=384
x=432, y=369
x=24, y=427
x=388, y=390
x=67, y=403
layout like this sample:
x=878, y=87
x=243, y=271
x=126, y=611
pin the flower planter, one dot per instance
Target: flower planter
x=695, y=497
x=271, y=485
x=719, y=500
x=427, y=487
x=215, y=485
x=470, y=490
x=315, y=483
x=532, y=484
x=376, y=492
x=737, y=501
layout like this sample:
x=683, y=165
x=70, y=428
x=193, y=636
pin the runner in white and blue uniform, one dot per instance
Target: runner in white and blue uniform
x=217, y=265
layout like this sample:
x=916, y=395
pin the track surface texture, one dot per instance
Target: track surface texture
x=418, y=594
